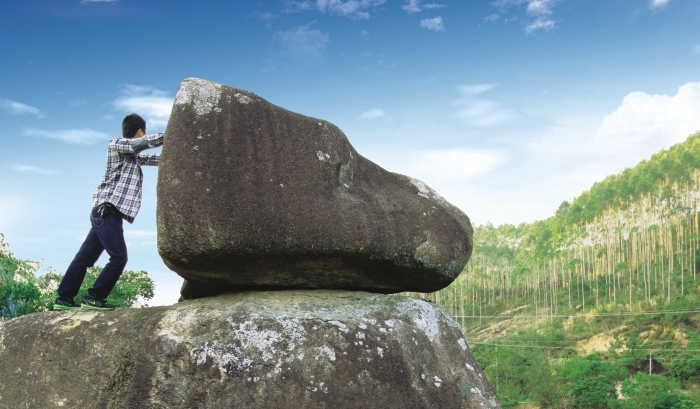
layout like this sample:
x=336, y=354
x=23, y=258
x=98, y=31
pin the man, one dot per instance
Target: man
x=117, y=198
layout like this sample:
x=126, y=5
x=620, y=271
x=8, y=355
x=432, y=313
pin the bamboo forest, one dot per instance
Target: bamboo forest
x=622, y=257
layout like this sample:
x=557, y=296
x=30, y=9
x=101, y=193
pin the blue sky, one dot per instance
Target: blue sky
x=505, y=107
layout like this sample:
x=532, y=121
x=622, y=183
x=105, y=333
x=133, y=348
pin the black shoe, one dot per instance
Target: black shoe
x=99, y=305
x=62, y=305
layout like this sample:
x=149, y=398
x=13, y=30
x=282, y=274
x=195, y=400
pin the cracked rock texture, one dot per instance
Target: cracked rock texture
x=284, y=349
x=251, y=195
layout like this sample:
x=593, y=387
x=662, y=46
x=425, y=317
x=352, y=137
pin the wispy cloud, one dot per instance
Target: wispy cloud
x=18, y=108
x=459, y=164
x=355, y=9
x=84, y=136
x=267, y=17
x=34, y=170
x=493, y=18
x=373, y=114
x=474, y=110
x=364, y=34
x=540, y=24
x=415, y=6
x=151, y=103
x=658, y=4
x=302, y=45
x=381, y=66
x=539, y=13
x=77, y=102
x=434, y=24
x=472, y=90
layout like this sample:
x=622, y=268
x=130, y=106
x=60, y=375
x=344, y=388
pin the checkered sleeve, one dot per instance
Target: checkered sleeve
x=149, y=159
x=155, y=140
x=130, y=146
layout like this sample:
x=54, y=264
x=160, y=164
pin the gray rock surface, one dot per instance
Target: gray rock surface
x=283, y=349
x=251, y=195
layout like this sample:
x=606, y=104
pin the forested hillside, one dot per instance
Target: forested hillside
x=624, y=254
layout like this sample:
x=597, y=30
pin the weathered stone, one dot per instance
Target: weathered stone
x=253, y=195
x=282, y=349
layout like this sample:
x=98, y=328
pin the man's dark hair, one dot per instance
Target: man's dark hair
x=131, y=124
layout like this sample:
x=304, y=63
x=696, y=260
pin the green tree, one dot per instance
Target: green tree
x=597, y=392
x=654, y=392
x=18, y=292
x=23, y=292
x=591, y=381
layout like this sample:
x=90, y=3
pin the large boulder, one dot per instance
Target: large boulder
x=283, y=349
x=251, y=195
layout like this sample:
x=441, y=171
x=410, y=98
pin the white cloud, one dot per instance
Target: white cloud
x=455, y=175
x=77, y=103
x=539, y=11
x=478, y=111
x=540, y=24
x=658, y=4
x=373, y=114
x=697, y=49
x=18, y=108
x=302, y=45
x=84, y=136
x=434, y=24
x=355, y=9
x=540, y=7
x=364, y=34
x=473, y=90
x=265, y=16
x=152, y=104
x=34, y=170
x=658, y=120
x=414, y=6
x=448, y=166
x=493, y=18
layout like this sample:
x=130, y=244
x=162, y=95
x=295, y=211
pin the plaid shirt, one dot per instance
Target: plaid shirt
x=121, y=183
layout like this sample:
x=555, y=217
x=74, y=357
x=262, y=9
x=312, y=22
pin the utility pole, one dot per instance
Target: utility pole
x=496, y=367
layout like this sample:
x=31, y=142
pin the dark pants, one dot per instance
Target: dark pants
x=107, y=234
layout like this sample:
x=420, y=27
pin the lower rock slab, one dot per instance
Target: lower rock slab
x=276, y=349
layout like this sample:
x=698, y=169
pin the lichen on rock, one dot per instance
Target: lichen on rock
x=276, y=349
x=253, y=196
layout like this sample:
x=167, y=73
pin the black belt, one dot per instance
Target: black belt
x=107, y=209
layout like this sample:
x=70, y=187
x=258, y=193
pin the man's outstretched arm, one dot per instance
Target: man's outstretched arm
x=149, y=159
x=136, y=145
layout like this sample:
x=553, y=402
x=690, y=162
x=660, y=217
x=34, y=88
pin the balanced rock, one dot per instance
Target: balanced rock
x=251, y=195
x=282, y=349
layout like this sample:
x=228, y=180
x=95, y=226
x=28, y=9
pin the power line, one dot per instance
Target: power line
x=584, y=340
x=566, y=347
x=584, y=315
